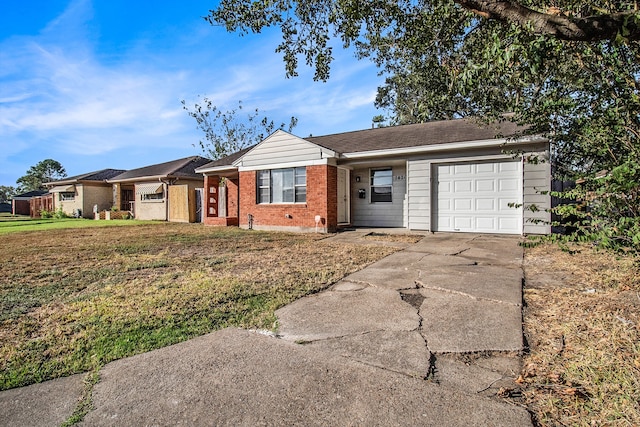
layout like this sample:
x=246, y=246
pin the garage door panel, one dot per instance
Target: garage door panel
x=485, y=224
x=475, y=197
x=461, y=169
x=460, y=186
x=486, y=205
x=485, y=168
x=509, y=166
x=463, y=222
x=508, y=185
x=463, y=204
x=486, y=185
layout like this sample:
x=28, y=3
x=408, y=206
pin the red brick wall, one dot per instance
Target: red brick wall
x=211, y=201
x=21, y=207
x=322, y=199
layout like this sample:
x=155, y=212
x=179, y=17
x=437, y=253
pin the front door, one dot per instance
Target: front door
x=343, y=196
x=126, y=198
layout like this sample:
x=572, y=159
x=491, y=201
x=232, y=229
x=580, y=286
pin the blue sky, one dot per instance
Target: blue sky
x=98, y=84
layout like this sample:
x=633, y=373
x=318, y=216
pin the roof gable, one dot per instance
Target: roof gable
x=282, y=147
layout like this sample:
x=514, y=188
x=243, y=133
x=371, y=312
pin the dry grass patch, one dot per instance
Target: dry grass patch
x=73, y=300
x=582, y=321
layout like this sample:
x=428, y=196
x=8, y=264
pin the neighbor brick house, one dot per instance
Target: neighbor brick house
x=440, y=176
x=80, y=195
x=21, y=203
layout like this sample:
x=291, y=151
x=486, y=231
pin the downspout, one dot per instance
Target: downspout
x=165, y=188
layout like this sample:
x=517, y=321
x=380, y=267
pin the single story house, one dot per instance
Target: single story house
x=21, y=203
x=79, y=195
x=453, y=176
x=164, y=191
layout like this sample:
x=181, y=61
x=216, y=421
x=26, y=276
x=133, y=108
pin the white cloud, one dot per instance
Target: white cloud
x=58, y=91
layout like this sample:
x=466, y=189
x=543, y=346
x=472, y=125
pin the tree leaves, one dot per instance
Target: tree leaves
x=227, y=132
x=47, y=170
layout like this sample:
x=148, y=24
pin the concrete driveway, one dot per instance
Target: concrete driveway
x=431, y=335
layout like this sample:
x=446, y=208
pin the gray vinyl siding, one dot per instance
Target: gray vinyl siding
x=537, y=178
x=367, y=214
x=419, y=194
x=282, y=147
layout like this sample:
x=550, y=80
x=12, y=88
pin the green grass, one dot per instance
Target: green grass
x=22, y=224
x=72, y=300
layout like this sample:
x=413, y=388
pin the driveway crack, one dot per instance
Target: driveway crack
x=464, y=294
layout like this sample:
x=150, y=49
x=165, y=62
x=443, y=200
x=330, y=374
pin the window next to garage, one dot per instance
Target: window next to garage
x=381, y=185
x=282, y=185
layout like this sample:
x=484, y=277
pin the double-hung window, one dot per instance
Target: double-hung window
x=282, y=185
x=381, y=185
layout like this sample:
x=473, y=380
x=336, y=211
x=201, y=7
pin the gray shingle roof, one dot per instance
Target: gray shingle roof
x=101, y=175
x=421, y=134
x=227, y=160
x=28, y=194
x=176, y=168
x=405, y=136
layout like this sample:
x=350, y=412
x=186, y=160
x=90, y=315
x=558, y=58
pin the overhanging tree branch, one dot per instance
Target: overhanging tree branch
x=589, y=28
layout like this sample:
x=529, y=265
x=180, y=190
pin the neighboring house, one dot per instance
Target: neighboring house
x=5, y=207
x=80, y=195
x=438, y=176
x=21, y=204
x=165, y=191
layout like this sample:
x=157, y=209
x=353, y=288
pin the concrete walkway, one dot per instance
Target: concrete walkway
x=427, y=336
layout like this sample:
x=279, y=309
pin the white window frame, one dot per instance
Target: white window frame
x=265, y=186
x=67, y=196
x=374, y=185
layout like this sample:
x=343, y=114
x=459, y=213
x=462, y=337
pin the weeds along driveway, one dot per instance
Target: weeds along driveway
x=75, y=299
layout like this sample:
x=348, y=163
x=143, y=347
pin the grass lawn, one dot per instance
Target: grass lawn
x=20, y=224
x=582, y=323
x=72, y=300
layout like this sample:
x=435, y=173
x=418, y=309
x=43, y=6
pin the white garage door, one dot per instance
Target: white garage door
x=475, y=197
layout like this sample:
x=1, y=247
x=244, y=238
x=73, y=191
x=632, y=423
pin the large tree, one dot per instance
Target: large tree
x=569, y=69
x=45, y=171
x=226, y=132
x=6, y=193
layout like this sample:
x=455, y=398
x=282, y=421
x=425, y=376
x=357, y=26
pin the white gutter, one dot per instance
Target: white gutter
x=213, y=169
x=443, y=147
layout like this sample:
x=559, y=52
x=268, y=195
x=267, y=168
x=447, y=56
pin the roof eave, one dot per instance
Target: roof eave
x=138, y=178
x=216, y=169
x=443, y=147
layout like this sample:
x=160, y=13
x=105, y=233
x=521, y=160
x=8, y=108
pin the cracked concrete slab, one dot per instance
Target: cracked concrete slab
x=474, y=378
x=387, y=278
x=480, y=281
x=453, y=323
x=47, y=404
x=333, y=314
x=398, y=351
x=499, y=250
x=402, y=259
x=234, y=377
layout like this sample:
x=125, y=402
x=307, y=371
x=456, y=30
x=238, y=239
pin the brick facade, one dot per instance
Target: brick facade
x=322, y=200
x=211, y=202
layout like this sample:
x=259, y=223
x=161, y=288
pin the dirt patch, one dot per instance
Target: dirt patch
x=582, y=323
